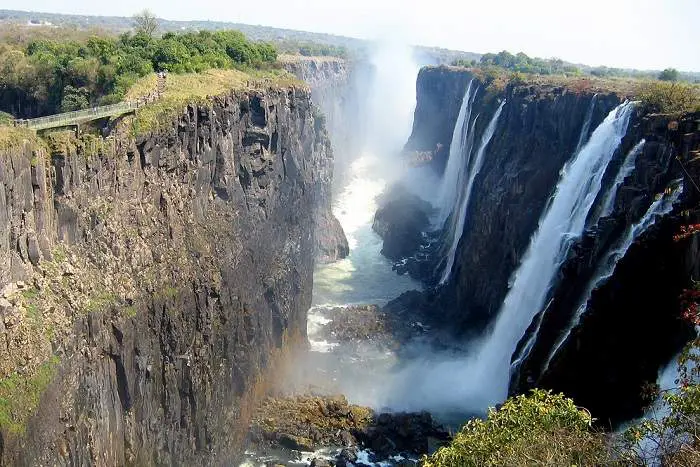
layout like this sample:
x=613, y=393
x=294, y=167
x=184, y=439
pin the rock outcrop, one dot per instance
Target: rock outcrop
x=335, y=92
x=150, y=287
x=401, y=219
x=307, y=423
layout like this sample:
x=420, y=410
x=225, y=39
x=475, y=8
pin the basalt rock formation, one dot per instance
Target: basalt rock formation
x=631, y=325
x=151, y=286
x=334, y=91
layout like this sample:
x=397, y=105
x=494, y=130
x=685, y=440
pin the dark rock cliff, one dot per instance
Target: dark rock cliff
x=537, y=132
x=334, y=91
x=150, y=288
x=632, y=324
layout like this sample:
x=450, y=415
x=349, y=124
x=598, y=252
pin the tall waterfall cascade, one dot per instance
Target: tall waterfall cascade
x=458, y=157
x=659, y=208
x=459, y=216
x=483, y=377
x=624, y=172
x=586, y=128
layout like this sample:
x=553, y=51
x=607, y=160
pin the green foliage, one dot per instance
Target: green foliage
x=669, y=97
x=46, y=76
x=20, y=395
x=539, y=429
x=524, y=64
x=74, y=99
x=311, y=49
x=669, y=74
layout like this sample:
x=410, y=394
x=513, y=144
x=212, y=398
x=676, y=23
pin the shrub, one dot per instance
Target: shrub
x=669, y=97
x=538, y=429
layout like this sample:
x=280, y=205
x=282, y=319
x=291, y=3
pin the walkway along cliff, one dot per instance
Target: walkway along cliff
x=151, y=285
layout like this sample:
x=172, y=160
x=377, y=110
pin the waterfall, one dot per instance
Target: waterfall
x=564, y=220
x=458, y=158
x=625, y=171
x=583, y=137
x=657, y=209
x=460, y=215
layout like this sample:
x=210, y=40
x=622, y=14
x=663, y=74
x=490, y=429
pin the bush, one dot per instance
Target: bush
x=669, y=97
x=539, y=429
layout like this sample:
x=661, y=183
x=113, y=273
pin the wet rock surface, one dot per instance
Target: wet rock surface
x=401, y=219
x=331, y=243
x=345, y=434
x=370, y=323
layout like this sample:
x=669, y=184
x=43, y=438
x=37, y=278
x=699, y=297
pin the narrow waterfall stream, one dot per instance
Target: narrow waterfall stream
x=660, y=207
x=466, y=179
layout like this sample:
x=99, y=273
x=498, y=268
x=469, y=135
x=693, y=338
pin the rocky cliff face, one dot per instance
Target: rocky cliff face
x=631, y=326
x=150, y=287
x=334, y=91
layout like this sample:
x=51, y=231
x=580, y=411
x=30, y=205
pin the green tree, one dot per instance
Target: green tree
x=538, y=429
x=146, y=22
x=669, y=74
x=74, y=99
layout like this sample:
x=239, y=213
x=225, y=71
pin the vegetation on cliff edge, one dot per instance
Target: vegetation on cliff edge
x=197, y=88
x=46, y=76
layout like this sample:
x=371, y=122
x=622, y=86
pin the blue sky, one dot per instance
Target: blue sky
x=627, y=33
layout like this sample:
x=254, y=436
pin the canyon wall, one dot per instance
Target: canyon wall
x=632, y=325
x=536, y=134
x=150, y=287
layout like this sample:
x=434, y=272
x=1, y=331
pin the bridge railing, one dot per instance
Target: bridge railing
x=75, y=117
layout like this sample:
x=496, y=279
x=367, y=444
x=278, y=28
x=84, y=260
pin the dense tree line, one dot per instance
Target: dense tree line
x=523, y=64
x=311, y=49
x=46, y=76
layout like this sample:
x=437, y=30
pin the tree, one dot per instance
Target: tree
x=669, y=74
x=146, y=23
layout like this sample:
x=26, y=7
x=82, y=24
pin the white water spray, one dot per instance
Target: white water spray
x=657, y=210
x=624, y=172
x=583, y=137
x=458, y=159
x=460, y=215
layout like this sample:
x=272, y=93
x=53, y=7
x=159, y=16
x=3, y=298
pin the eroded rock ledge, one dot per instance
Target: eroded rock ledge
x=306, y=423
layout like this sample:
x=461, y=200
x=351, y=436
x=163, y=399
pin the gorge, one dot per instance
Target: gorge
x=415, y=238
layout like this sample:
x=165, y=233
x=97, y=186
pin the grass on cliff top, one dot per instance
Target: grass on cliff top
x=197, y=88
x=20, y=396
x=663, y=96
x=11, y=137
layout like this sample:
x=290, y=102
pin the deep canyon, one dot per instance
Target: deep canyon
x=497, y=237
